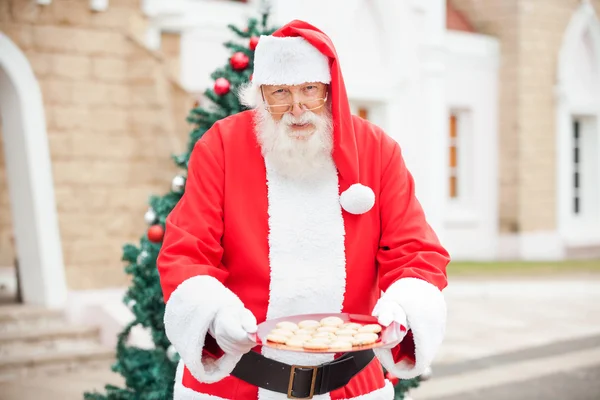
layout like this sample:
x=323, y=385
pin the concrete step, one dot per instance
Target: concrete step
x=43, y=340
x=48, y=363
x=35, y=341
x=19, y=318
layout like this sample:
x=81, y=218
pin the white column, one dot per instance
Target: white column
x=434, y=123
x=30, y=186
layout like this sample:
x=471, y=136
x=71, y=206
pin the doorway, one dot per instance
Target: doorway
x=29, y=183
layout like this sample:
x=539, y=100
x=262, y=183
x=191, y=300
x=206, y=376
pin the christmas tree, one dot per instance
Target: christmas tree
x=150, y=373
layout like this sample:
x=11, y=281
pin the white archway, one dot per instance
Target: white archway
x=578, y=131
x=30, y=185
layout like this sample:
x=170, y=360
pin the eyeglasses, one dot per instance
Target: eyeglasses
x=308, y=105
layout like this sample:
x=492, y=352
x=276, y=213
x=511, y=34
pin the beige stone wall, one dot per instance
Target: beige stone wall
x=499, y=18
x=531, y=33
x=170, y=46
x=111, y=109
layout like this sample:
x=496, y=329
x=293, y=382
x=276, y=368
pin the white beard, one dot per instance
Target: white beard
x=296, y=154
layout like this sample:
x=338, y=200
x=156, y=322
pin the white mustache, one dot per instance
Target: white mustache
x=308, y=117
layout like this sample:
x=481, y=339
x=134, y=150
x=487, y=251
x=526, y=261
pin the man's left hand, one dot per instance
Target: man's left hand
x=388, y=311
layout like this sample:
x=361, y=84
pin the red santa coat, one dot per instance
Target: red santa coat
x=287, y=248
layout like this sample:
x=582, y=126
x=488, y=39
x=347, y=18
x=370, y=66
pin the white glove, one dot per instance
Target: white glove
x=231, y=327
x=388, y=311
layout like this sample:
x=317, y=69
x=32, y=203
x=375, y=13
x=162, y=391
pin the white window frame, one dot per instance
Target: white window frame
x=461, y=208
x=582, y=102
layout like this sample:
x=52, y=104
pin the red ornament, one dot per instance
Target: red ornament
x=222, y=86
x=156, y=233
x=251, y=75
x=239, y=61
x=392, y=378
x=253, y=42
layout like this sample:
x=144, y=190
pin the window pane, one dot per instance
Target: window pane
x=453, y=133
x=363, y=113
x=453, y=188
x=452, y=157
x=577, y=167
x=453, y=162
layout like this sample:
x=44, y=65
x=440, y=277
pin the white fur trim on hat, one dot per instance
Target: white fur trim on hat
x=357, y=199
x=288, y=61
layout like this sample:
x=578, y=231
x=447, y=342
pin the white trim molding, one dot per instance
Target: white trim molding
x=577, y=101
x=531, y=246
x=30, y=182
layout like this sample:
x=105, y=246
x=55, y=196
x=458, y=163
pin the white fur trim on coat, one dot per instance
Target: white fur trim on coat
x=306, y=255
x=357, y=199
x=188, y=314
x=425, y=309
x=288, y=61
x=180, y=392
x=385, y=393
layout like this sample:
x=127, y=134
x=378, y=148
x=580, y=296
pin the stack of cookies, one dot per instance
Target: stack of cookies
x=328, y=334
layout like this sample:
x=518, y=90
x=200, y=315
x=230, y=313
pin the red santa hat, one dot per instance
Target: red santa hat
x=298, y=53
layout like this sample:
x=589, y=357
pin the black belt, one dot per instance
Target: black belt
x=300, y=382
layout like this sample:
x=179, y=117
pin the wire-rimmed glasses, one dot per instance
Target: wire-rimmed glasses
x=306, y=105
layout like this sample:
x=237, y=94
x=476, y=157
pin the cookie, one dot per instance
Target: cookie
x=316, y=345
x=282, y=332
x=323, y=334
x=304, y=331
x=323, y=339
x=372, y=328
x=309, y=324
x=341, y=345
x=351, y=325
x=301, y=337
x=290, y=326
x=296, y=341
x=364, y=338
x=344, y=339
x=331, y=329
x=277, y=338
x=346, y=332
x=332, y=321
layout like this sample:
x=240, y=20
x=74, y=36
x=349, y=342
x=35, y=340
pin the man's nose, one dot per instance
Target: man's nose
x=297, y=110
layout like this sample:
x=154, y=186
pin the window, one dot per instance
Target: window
x=453, y=158
x=584, y=176
x=461, y=157
x=576, y=168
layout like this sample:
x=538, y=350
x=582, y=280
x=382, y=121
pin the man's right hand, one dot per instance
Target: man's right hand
x=231, y=328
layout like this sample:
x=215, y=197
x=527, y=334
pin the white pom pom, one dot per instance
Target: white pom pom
x=357, y=199
x=426, y=375
x=172, y=353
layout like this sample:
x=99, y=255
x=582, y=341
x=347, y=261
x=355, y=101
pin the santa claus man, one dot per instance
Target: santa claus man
x=296, y=207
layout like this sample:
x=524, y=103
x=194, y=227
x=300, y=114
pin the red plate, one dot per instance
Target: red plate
x=388, y=337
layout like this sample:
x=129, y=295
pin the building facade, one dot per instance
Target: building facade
x=495, y=105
